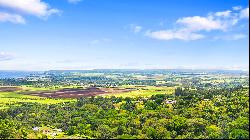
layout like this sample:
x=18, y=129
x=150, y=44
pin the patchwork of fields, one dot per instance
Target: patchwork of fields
x=118, y=104
x=11, y=96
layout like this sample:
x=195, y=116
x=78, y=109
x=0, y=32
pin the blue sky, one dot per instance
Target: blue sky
x=138, y=34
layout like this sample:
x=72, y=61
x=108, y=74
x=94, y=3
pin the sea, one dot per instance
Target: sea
x=17, y=74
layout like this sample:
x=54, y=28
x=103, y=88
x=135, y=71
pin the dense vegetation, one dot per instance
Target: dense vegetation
x=206, y=113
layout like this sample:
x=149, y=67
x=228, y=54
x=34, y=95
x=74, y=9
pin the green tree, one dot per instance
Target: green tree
x=239, y=134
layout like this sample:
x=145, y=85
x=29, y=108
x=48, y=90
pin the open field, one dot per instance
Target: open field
x=123, y=91
x=21, y=94
x=9, y=89
x=13, y=98
x=144, y=91
x=76, y=93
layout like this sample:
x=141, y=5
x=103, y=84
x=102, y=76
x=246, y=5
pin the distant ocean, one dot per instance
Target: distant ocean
x=16, y=74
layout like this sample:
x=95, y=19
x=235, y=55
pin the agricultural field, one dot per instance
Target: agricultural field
x=124, y=69
x=143, y=91
x=66, y=85
x=11, y=96
x=122, y=104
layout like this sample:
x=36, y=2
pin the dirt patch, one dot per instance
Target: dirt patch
x=9, y=89
x=76, y=93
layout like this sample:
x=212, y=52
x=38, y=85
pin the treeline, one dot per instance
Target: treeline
x=207, y=114
x=62, y=81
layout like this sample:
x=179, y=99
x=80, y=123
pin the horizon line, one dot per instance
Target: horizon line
x=245, y=70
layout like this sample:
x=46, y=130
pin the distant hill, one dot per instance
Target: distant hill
x=180, y=71
x=21, y=74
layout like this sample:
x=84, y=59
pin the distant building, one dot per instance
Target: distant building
x=53, y=134
x=170, y=101
x=58, y=130
x=36, y=128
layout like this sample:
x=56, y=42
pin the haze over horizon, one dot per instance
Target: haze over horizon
x=40, y=35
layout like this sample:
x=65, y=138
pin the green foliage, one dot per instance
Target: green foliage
x=222, y=114
x=214, y=132
x=8, y=99
x=151, y=105
x=239, y=134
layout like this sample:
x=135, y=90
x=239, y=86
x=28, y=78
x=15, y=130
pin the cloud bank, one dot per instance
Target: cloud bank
x=36, y=8
x=195, y=27
x=5, y=56
x=13, y=18
x=33, y=7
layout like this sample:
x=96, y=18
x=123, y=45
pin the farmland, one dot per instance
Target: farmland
x=12, y=97
x=125, y=104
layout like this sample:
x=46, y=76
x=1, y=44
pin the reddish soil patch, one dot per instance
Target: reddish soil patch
x=76, y=93
x=9, y=89
x=140, y=86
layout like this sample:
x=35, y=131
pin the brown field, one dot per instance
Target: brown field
x=76, y=93
x=9, y=89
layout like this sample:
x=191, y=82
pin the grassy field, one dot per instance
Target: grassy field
x=143, y=91
x=146, y=91
x=51, y=88
x=8, y=99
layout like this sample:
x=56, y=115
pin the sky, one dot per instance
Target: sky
x=124, y=34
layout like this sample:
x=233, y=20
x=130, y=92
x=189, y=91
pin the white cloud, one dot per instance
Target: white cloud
x=99, y=41
x=237, y=8
x=194, y=27
x=5, y=56
x=223, y=13
x=135, y=28
x=13, y=18
x=244, y=13
x=170, y=34
x=238, y=36
x=74, y=1
x=33, y=7
x=198, y=23
x=230, y=37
